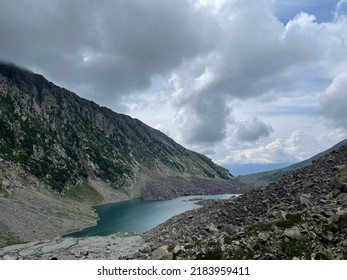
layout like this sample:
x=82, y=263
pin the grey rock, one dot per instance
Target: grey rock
x=212, y=228
x=263, y=236
x=304, y=199
x=162, y=254
x=342, y=198
x=342, y=220
x=293, y=233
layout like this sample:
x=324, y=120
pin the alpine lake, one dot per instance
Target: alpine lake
x=138, y=215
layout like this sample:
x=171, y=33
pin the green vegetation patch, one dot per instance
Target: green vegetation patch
x=297, y=248
x=171, y=247
x=212, y=243
x=321, y=256
x=8, y=238
x=3, y=192
x=214, y=253
x=260, y=227
x=241, y=254
x=12, y=240
x=228, y=239
x=328, y=227
x=291, y=220
x=6, y=105
x=189, y=246
x=83, y=192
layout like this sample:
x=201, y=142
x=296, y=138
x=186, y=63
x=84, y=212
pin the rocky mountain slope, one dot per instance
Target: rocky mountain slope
x=63, y=139
x=303, y=215
x=264, y=178
x=60, y=154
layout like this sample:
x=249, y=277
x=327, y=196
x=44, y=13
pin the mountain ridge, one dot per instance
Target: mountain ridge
x=87, y=132
x=259, y=179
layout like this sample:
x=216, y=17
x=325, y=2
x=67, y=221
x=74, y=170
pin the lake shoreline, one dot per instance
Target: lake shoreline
x=138, y=215
x=60, y=215
x=114, y=246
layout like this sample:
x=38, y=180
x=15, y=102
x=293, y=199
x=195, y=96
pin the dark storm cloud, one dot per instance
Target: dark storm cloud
x=109, y=47
x=254, y=56
x=205, y=55
x=206, y=121
x=252, y=129
x=333, y=102
x=257, y=56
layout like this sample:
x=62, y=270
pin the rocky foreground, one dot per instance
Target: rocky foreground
x=301, y=216
x=109, y=247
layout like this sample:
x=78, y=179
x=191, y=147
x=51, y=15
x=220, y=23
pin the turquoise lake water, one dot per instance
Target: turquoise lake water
x=139, y=215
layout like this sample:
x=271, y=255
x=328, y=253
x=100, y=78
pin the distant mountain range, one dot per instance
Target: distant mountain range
x=264, y=178
x=250, y=168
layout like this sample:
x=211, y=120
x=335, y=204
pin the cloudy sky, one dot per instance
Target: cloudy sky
x=242, y=81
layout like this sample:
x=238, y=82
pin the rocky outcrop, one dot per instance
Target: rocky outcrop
x=303, y=215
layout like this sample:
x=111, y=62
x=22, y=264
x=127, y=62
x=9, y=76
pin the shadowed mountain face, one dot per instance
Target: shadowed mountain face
x=65, y=140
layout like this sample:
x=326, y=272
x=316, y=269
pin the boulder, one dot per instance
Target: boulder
x=342, y=220
x=177, y=249
x=339, y=219
x=212, y=228
x=263, y=237
x=342, y=198
x=340, y=180
x=304, y=199
x=162, y=253
x=292, y=233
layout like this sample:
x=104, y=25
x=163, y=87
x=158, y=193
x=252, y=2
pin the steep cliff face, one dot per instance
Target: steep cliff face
x=65, y=140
